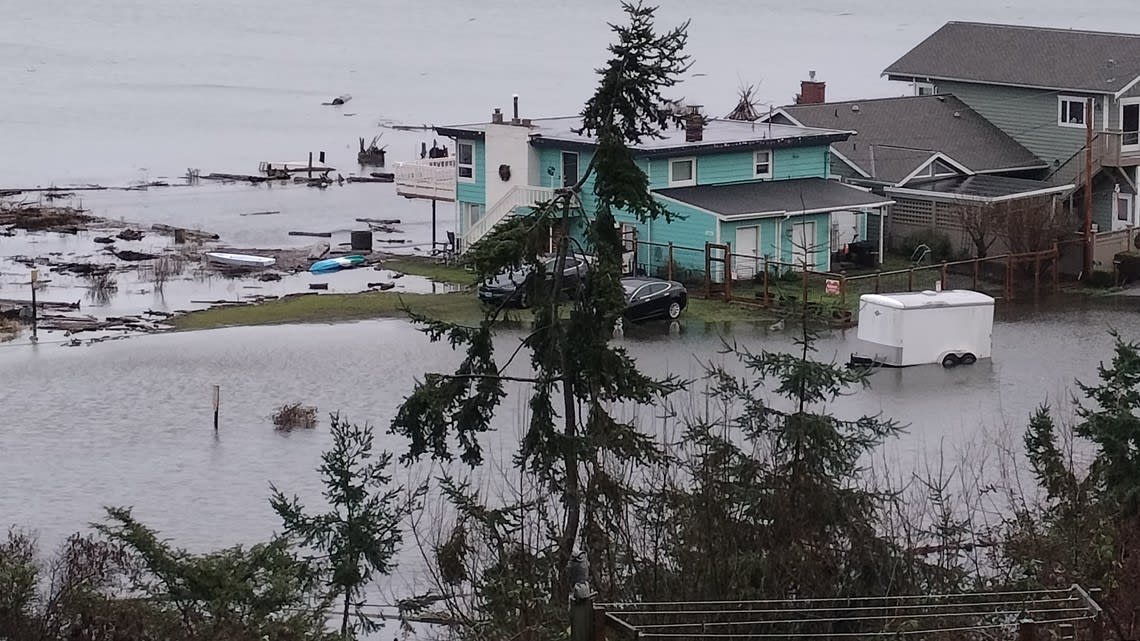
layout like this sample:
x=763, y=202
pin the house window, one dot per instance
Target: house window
x=683, y=172
x=763, y=164
x=465, y=161
x=1071, y=111
x=470, y=213
x=924, y=89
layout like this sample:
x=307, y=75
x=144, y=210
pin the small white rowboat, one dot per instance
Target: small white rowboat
x=239, y=260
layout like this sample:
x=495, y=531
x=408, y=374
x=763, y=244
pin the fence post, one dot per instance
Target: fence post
x=843, y=291
x=977, y=265
x=708, y=270
x=879, y=281
x=1009, y=276
x=582, y=619
x=766, y=291
x=727, y=272
x=1036, y=277
x=1056, y=267
x=669, y=267
x=1027, y=630
x=942, y=275
x=910, y=280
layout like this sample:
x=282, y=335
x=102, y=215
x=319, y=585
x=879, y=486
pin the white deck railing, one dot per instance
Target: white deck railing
x=519, y=196
x=432, y=178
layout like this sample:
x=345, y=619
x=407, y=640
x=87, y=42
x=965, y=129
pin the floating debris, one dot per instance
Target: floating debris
x=130, y=234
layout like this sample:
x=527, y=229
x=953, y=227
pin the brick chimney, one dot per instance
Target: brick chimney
x=497, y=116
x=812, y=92
x=694, y=125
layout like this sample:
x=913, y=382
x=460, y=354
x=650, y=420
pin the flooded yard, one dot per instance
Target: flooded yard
x=130, y=422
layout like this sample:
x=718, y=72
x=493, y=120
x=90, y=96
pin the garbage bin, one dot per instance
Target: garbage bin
x=361, y=241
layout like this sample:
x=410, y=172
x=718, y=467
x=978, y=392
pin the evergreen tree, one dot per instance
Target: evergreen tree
x=360, y=534
x=578, y=374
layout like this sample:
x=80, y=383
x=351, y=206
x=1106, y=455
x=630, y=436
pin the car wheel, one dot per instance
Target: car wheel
x=968, y=359
x=949, y=360
x=674, y=310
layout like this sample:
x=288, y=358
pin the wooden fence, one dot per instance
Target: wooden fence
x=715, y=271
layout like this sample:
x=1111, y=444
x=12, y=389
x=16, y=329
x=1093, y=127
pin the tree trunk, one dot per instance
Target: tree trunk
x=344, y=616
x=571, y=495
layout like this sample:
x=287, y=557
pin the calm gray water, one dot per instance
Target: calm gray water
x=130, y=422
x=129, y=90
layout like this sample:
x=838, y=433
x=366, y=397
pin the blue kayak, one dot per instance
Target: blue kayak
x=335, y=264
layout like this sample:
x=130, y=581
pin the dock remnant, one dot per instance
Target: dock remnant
x=314, y=234
x=372, y=155
x=369, y=179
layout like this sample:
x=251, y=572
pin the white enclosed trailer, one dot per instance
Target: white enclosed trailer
x=917, y=328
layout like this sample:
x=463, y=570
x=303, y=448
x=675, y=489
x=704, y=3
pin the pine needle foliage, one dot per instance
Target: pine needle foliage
x=578, y=375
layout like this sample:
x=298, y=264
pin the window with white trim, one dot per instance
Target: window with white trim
x=924, y=88
x=683, y=172
x=1071, y=111
x=762, y=164
x=465, y=161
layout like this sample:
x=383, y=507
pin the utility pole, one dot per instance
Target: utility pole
x=1088, y=266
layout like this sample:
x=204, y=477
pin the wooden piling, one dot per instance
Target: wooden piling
x=910, y=280
x=942, y=276
x=217, y=404
x=1027, y=630
x=1009, y=277
x=669, y=266
x=35, y=317
x=977, y=262
x=879, y=282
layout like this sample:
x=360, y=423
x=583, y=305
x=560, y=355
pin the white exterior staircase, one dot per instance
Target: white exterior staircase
x=518, y=196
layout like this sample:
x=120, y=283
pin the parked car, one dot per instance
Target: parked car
x=516, y=288
x=648, y=298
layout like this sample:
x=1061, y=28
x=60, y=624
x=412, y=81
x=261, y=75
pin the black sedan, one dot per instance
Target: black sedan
x=648, y=298
x=515, y=286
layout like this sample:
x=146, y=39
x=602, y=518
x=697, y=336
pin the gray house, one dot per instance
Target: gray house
x=1037, y=85
x=930, y=154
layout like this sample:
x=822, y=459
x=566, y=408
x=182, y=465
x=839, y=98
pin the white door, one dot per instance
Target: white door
x=803, y=245
x=844, y=229
x=629, y=247
x=1125, y=214
x=746, y=252
x=1130, y=124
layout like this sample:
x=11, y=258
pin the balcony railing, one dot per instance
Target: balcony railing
x=432, y=178
x=1117, y=148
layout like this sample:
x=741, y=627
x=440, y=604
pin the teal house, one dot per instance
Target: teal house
x=764, y=190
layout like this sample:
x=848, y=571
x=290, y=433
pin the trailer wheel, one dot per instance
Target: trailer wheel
x=968, y=359
x=949, y=360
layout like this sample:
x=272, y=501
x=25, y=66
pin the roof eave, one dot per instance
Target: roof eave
x=1126, y=88
x=942, y=196
x=768, y=143
x=911, y=76
x=460, y=132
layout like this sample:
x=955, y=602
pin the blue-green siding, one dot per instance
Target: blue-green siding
x=472, y=192
x=692, y=228
x=475, y=192
x=737, y=166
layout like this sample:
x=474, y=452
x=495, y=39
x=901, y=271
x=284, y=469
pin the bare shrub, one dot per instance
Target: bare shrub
x=295, y=416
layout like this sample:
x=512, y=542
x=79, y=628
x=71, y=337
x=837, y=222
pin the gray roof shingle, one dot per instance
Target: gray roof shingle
x=1048, y=58
x=907, y=131
x=775, y=197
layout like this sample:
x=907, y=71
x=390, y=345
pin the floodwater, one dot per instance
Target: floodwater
x=130, y=422
x=128, y=91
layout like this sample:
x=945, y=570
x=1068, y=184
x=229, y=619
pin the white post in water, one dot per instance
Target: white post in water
x=217, y=403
